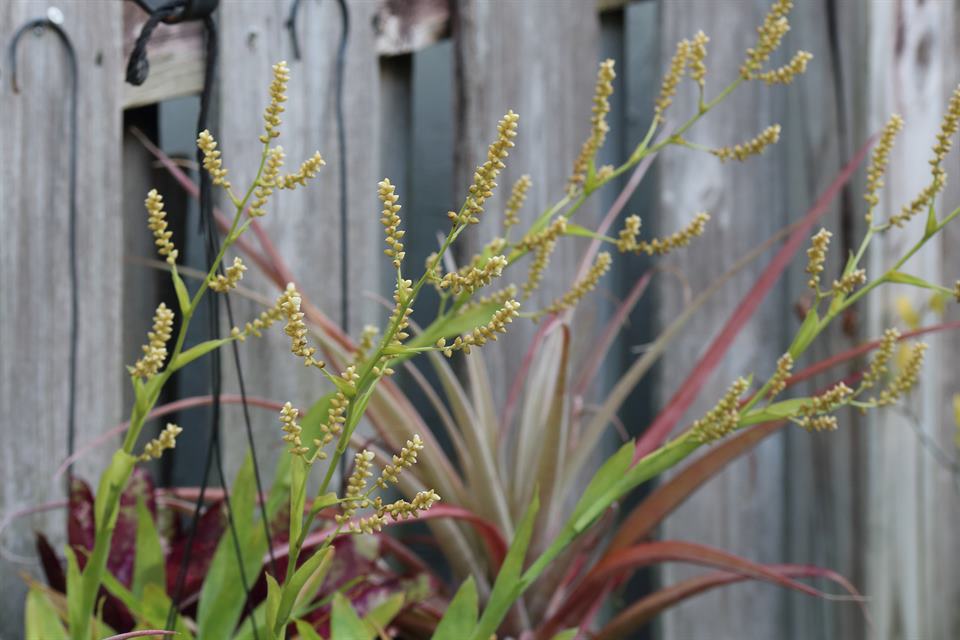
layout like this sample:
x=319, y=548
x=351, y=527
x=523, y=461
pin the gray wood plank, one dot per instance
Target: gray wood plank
x=304, y=223
x=34, y=294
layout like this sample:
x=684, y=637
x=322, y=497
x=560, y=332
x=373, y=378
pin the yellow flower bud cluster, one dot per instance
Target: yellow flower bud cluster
x=598, y=124
x=581, y=288
x=906, y=378
x=308, y=170
x=356, y=483
x=880, y=360
x=769, y=36
x=785, y=74
x=879, y=161
x=660, y=246
x=403, y=460
x=293, y=431
x=473, y=277
x=268, y=180
x=723, y=418
x=278, y=95
x=166, y=440
x=333, y=426
x=948, y=128
x=484, y=178
x=401, y=310
x=813, y=413
x=511, y=214
x=258, y=324
x=391, y=222
x=817, y=257
x=155, y=351
x=157, y=223
x=224, y=282
x=696, y=61
x=753, y=147
x=778, y=382
x=402, y=510
x=668, y=87
x=849, y=282
x=212, y=161
x=553, y=231
x=296, y=328
x=480, y=335
x=541, y=258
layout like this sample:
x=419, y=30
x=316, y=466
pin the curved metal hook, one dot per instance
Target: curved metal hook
x=51, y=22
x=48, y=23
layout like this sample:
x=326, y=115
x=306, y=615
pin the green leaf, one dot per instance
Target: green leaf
x=148, y=565
x=183, y=296
x=194, y=352
x=344, y=622
x=383, y=614
x=592, y=502
x=583, y=232
x=906, y=278
x=461, y=616
x=40, y=618
x=273, y=604
x=566, y=634
x=776, y=411
x=932, y=225
x=298, y=495
x=314, y=419
x=306, y=631
x=304, y=583
x=447, y=327
x=112, y=482
x=508, y=586
x=806, y=333
x=75, y=609
x=149, y=609
x=222, y=596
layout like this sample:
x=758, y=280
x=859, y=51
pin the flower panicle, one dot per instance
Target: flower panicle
x=308, y=170
x=474, y=277
x=696, y=61
x=166, y=440
x=881, y=359
x=224, y=282
x=672, y=78
x=814, y=414
x=847, y=283
x=785, y=75
x=879, y=161
x=627, y=241
x=580, y=288
x=390, y=219
x=212, y=161
x=778, y=382
x=769, y=36
x=278, y=95
x=817, y=257
x=356, y=484
x=485, y=176
x=157, y=223
x=906, y=378
x=292, y=430
x=296, y=329
x=723, y=418
x=598, y=125
x=753, y=147
x=155, y=351
x=268, y=181
x=406, y=458
x=483, y=333
x=518, y=195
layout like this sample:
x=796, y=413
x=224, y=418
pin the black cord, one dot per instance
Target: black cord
x=72, y=215
x=291, y=24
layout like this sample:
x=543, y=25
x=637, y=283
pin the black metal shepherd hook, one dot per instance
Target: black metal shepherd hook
x=52, y=22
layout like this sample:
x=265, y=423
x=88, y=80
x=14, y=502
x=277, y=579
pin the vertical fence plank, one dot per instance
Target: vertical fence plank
x=304, y=224
x=741, y=509
x=547, y=78
x=34, y=271
x=913, y=505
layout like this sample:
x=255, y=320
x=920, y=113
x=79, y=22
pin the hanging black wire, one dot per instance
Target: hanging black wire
x=291, y=24
x=47, y=23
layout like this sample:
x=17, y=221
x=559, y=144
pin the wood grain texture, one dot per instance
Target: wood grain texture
x=34, y=293
x=741, y=510
x=548, y=80
x=304, y=224
x=913, y=504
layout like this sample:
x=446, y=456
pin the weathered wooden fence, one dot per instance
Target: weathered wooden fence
x=870, y=501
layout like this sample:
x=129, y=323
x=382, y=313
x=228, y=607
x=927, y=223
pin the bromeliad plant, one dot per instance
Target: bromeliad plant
x=551, y=440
